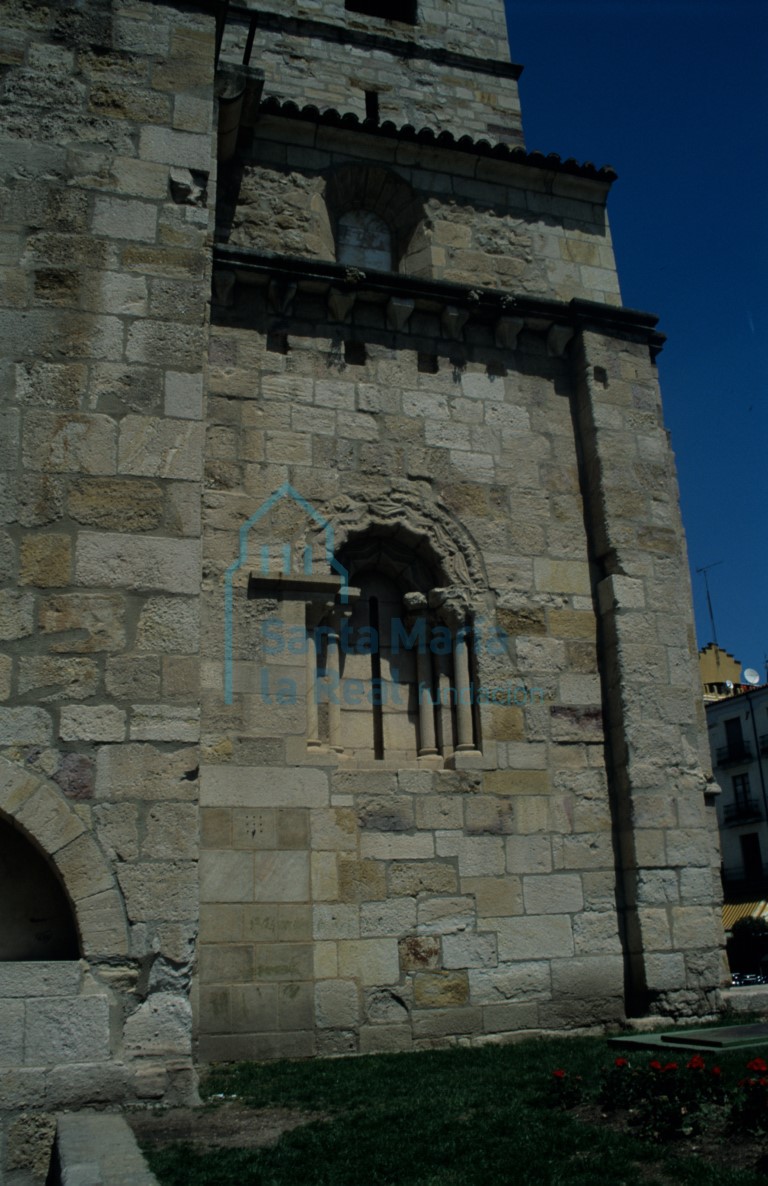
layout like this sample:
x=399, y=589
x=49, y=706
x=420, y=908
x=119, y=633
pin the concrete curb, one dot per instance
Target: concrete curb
x=97, y=1149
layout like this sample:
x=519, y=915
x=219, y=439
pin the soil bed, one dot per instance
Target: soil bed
x=230, y=1125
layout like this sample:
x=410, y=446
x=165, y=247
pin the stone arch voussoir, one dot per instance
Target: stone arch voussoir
x=38, y=808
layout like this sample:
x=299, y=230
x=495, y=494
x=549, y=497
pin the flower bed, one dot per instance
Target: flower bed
x=673, y=1100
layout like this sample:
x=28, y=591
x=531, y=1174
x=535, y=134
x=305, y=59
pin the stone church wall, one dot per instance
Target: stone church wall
x=105, y=110
x=478, y=428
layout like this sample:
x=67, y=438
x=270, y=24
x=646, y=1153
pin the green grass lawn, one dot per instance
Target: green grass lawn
x=461, y=1117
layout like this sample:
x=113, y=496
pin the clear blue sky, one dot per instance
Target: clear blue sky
x=674, y=95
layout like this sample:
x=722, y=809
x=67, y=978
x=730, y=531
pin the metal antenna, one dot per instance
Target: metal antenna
x=704, y=571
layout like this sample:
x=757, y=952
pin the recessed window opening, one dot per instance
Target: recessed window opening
x=386, y=10
x=364, y=240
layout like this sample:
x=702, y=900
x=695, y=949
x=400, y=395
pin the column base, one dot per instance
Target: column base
x=466, y=759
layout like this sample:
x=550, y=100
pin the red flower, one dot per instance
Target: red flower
x=559, y=1074
x=671, y=1066
x=696, y=1063
x=654, y=1064
x=716, y=1071
x=621, y=1062
x=757, y=1064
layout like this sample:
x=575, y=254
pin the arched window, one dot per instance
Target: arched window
x=36, y=920
x=392, y=663
x=364, y=240
x=377, y=220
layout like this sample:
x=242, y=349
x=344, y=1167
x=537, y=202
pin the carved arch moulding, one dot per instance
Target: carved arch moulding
x=425, y=525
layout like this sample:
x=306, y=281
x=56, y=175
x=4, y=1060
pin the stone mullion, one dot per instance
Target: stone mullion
x=427, y=734
x=651, y=769
x=464, y=724
x=333, y=669
x=313, y=732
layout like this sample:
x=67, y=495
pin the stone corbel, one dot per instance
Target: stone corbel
x=453, y=321
x=557, y=339
x=399, y=310
x=507, y=331
x=281, y=296
x=340, y=304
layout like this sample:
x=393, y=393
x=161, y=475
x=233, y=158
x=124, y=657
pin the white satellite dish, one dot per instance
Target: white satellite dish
x=751, y=676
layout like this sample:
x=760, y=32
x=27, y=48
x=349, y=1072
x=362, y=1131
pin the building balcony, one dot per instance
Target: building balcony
x=733, y=754
x=743, y=811
x=739, y=882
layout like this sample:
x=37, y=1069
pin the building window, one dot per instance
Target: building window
x=386, y=10
x=740, y=787
x=364, y=240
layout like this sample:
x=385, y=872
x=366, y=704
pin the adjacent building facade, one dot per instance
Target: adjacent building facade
x=738, y=735
x=349, y=689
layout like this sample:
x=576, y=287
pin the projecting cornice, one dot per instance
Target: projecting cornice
x=456, y=305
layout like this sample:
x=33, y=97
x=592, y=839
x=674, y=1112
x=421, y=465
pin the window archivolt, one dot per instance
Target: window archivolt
x=393, y=662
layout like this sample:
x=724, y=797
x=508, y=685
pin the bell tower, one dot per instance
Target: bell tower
x=450, y=826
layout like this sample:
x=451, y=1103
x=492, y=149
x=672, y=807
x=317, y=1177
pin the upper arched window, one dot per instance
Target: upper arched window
x=377, y=221
x=364, y=240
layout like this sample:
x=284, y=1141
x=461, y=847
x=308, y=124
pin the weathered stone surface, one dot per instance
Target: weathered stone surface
x=145, y=772
x=155, y=447
x=89, y=622
x=161, y=1028
x=62, y=1030
x=417, y=877
x=419, y=951
x=438, y=990
x=337, y=1004
x=16, y=614
x=28, y=726
x=46, y=561
x=165, y=890
x=262, y=786
x=118, y=561
x=121, y=504
x=92, y=723
x=52, y=679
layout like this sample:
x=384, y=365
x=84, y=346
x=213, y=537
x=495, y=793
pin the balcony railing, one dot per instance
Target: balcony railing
x=743, y=811
x=737, y=751
x=740, y=882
